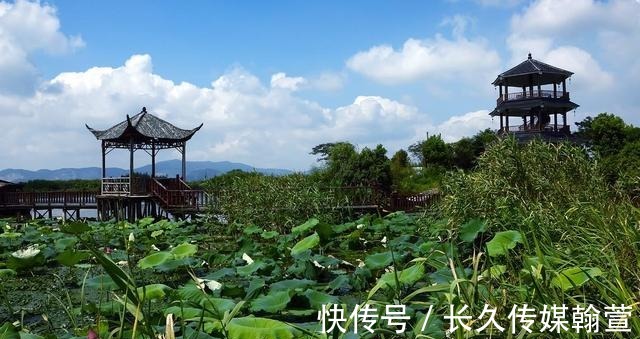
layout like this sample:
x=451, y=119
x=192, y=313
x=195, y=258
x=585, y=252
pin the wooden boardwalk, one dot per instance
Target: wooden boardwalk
x=169, y=197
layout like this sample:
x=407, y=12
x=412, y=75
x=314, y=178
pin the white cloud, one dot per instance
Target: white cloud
x=468, y=124
x=244, y=119
x=580, y=35
x=27, y=27
x=461, y=59
x=281, y=80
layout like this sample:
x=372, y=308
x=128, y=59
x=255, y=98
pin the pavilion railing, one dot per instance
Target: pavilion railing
x=533, y=95
x=116, y=186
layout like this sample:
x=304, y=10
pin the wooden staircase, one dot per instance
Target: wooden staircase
x=176, y=197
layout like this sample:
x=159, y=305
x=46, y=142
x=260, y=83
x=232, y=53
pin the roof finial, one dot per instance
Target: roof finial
x=529, y=56
x=144, y=109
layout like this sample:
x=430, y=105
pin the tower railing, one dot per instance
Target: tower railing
x=535, y=94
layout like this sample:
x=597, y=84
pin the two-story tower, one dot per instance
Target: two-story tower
x=532, y=98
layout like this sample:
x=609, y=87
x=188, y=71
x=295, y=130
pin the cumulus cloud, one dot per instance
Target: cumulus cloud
x=244, y=119
x=281, y=80
x=459, y=58
x=467, y=124
x=27, y=27
x=551, y=29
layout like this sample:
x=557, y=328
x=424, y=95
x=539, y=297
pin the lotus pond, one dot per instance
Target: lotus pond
x=123, y=280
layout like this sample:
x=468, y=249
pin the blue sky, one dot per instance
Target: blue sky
x=269, y=80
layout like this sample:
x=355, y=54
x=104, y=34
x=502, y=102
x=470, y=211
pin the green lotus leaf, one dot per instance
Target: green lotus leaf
x=306, y=244
x=378, y=260
x=575, y=277
x=154, y=259
x=317, y=299
x=71, y=257
x=502, y=242
x=470, y=230
x=262, y=328
x=308, y=225
x=184, y=250
x=272, y=302
x=291, y=284
x=152, y=291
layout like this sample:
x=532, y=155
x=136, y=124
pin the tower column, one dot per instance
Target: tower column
x=564, y=87
x=501, y=124
x=555, y=121
x=555, y=90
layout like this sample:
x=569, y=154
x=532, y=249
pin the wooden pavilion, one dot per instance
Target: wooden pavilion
x=536, y=99
x=135, y=195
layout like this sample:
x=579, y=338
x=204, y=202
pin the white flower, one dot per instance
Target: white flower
x=317, y=264
x=210, y=284
x=360, y=263
x=26, y=253
x=154, y=247
x=247, y=258
x=122, y=263
x=359, y=226
x=7, y=227
x=132, y=238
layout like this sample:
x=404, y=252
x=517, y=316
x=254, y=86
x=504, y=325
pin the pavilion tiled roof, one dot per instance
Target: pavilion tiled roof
x=533, y=66
x=144, y=125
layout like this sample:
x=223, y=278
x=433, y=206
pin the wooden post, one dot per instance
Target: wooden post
x=564, y=120
x=555, y=121
x=506, y=92
x=555, y=90
x=507, y=121
x=501, y=124
x=153, y=159
x=104, y=160
x=501, y=98
x=524, y=92
x=524, y=120
x=531, y=90
x=184, y=161
x=130, y=166
x=564, y=88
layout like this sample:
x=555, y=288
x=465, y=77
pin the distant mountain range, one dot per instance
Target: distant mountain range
x=196, y=170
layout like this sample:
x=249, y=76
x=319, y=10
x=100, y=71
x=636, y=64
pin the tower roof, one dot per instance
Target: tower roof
x=524, y=73
x=142, y=127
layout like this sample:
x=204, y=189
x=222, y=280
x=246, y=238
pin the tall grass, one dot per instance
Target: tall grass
x=555, y=195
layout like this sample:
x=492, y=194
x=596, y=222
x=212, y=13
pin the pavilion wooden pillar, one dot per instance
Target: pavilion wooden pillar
x=501, y=98
x=555, y=121
x=153, y=159
x=501, y=124
x=507, y=121
x=564, y=120
x=130, y=166
x=104, y=160
x=555, y=90
x=184, y=161
x=564, y=88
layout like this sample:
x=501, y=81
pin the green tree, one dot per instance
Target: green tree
x=345, y=166
x=605, y=134
x=432, y=152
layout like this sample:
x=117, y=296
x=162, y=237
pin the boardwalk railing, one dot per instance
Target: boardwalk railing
x=176, y=194
x=49, y=199
x=407, y=203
